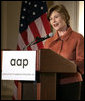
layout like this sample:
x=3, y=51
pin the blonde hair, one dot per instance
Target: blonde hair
x=62, y=10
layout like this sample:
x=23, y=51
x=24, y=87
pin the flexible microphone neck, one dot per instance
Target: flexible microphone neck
x=43, y=38
x=38, y=39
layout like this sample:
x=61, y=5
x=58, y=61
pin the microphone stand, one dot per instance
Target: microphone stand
x=37, y=40
x=29, y=44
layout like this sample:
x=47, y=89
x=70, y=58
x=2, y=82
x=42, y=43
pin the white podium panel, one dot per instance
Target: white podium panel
x=18, y=65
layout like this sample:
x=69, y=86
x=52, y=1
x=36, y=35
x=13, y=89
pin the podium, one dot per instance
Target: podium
x=48, y=65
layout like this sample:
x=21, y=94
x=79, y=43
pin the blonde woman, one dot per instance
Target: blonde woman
x=70, y=45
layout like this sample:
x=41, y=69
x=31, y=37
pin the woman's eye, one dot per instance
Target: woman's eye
x=53, y=18
x=56, y=16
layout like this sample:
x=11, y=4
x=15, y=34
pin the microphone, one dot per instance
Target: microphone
x=38, y=39
x=43, y=38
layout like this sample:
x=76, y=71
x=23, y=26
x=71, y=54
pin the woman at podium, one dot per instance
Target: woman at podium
x=69, y=44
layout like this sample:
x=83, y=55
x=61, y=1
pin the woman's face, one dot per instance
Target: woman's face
x=57, y=21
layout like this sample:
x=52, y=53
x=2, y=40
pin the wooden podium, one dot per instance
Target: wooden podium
x=48, y=64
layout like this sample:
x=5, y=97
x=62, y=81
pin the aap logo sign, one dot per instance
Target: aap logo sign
x=18, y=65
